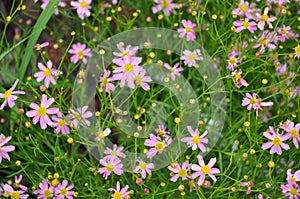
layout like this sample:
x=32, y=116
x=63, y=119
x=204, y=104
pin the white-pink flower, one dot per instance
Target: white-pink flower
x=245, y=25
x=128, y=51
x=111, y=164
x=166, y=5
x=196, y=141
x=179, y=171
x=10, y=96
x=143, y=168
x=119, y=193
x=47, y=73
x=13, y=193
x=60, y=124
x=158, y=145
x=188, y=30
x=175, y=70
x=105, y=82
x=264, y=18
x=190, y=57
x=80, y=52
x=83, y=8
x=115, y=151
x=80, y=116
x=293, y=177
x=293, y=131
x=4, y=150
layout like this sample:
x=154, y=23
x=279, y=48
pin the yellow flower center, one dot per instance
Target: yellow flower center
x=165, y=4
x=159, y=146
x=293, y=191
x=293, y=179
x=172, y=70
x=7, y=94
x=80, y=54
x=0, y=148
x=277, y=141
x=101, y=134
x=47, y=193
x=294, y=133
x=110, y=167
x=297, y=50
x=128, y=67
x=182, y=173
x=84, y=4
x=161, y=132
x=284, y=31
x=47, y=72
x=61, y=123
x=205, y=169
x=125, y=54
x=253, y=101
x=264, y=17
x=245, y=24
x=41, y=111
x=263, y=41
x=143, y=165
x=77, y=116
x=232, y=60
x=196, y=139
x=188, y=29
x=54, y=182
x=104, y=80
x=243, y=7
x=192, y=56
x=15, y=195
x=237, y=77
x=113, y=153
x=138, y=80
x=63, y=192
x=117, y=195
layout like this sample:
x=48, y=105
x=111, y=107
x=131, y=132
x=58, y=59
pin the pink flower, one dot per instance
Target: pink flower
x=190, y=57
x=111, y=164
x=18, y=184
x=277, y=141
x=115, y=152
x=80, y=116
x=233, y=61
x=293, y=177
x=102, y=134
x=188, y=30
x=45, y=3
x=243, y=9
x=60, y=124
x=9, y=96
x=140, y=80
x=179, y=171
x=128, y=51
x=166, y=5
x=163, y=132
x=238, y=80
x=264, y=18
x=47, y=73
x=297, y=51
x=247, y=184
x=14, y=194
x=80, y=52
x=105, y=82
x=293, y=131
x=4, y=150
x=196, y=141
x=291, y=190
x=265, y=40
x=254, y=102
x=46, y=191
x=244, y=25
x=83, y=8
x=158, y=145
x=143, y=168
x=284, y=33
x=202, y=169
x=40, y=112
x=64, y=191
x=40, y=46
x=175, y=70
x=118, y=192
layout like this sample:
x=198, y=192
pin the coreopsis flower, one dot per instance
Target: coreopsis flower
x=56, y=11
x=293, y=177
x=47, y=73
x=202, y=169
x=179, y=171
x=10, y=96
x=40, y=113
x=46, y=190
x=233, y=61
x=40, y=46
x=116, y=151
x=293, y=131
x=105, y=82
x=129, y=51
x=83, y=8
x=64, y=191
x=60, y=124
x=158, y=145
x=140, y=79
x=4, y=150
x=80, y=116
x=175, y=70
x=188, y=30
x=119, y=193
x=245, y=25
x=196, y=141
x=297, y=51
x=291, y=189
x=284, y=33
x=13, y=193
x=165, y=5
x=102, y=134
x=264, y=18
x=238, y=80
x=243, y=9
x=254, y=102
x=80, y=52
x=247, y=184
x=277, y=141
x=265, y=41
x=111, y=164
x=163, y=132
x=18, y=184
x=190, y=57
x=143, y=168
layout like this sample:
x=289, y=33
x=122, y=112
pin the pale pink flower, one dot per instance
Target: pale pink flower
x=105, y=82
x=202, y=170
x=293, y=177
x=190, y=57
x=143, y=168
x=119, y=193
x=47, y=73
x=180, y=171
x=40, y=46
x=175, y=70
x=60, y=124
x=233, y=61
x=291, y=189
x=80, y=116
x=45, y=3
x=40, y=113
x=129, y=51
x=254, y=102
x=102, y=134
x=285, y=32
x=166, y=5
x=238, y=80
x=276, y=141
x=18, y=184
x=111, y=164
x=64, y=191
x=243, y=9
x=45, y=191
x=196, y=141
x=163, y=132
x=188, y=30
x=293, y=131
x=10, y=96
x=158, y=145
x=265, y=40
x=244, y=25
x=116, y=151
x=247, y=184
x=264, y=18
x=297, y=51
x=80, y=52
x=83, y=8
x=140, y=80
x=13, y=193
x=4, y=150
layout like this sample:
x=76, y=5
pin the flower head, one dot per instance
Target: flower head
x=10, y=96
x=102, y=134
x=180, y=171
x=264, y=18
x=188, y=30
x=143, y=168
x=118, y=192
x=233, y=61
x=83, y=8
x=293, y=131
x=190, y=57
x=116, y=151
x=247, y=184
x=128, y=51
x=47, y=73
x=158, y=145
x=18, y=184
x=80, y=116
x=297, y=51
x=175, y=70
x=111, y=164
x=4, y=150
x=105, y=82
x=60, y=124
x=64, y=191
x=166, y=5
x=292, y=190
x=196, y=141
x=45, y=191
x=245, y=25
x=293, y=177
x=80, y=52
x=14, y=194
x=237, y=78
